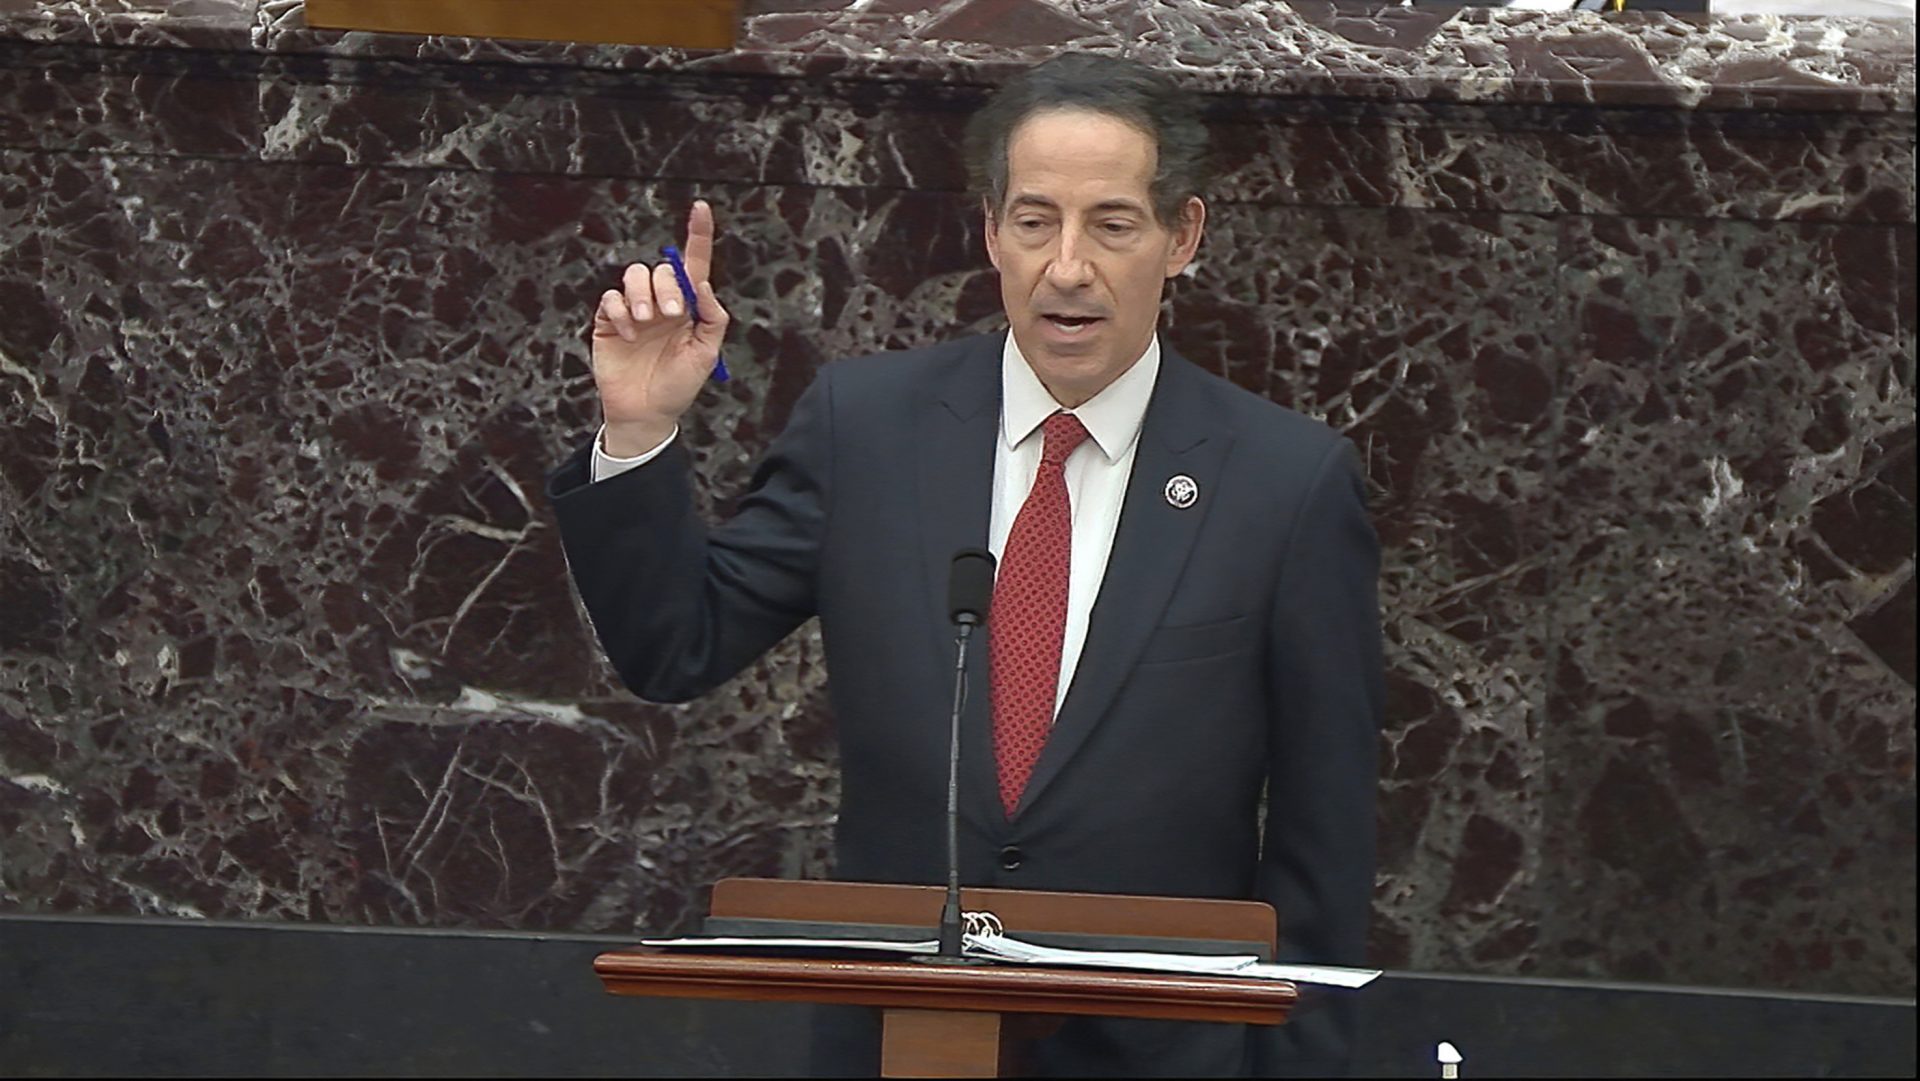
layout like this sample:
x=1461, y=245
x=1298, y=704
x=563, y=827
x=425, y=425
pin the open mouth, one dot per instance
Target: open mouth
x=1071, y=324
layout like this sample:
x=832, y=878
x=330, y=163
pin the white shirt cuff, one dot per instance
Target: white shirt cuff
x=606, y=466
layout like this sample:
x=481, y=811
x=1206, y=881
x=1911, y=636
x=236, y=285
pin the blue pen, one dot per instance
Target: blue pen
x=693, y=306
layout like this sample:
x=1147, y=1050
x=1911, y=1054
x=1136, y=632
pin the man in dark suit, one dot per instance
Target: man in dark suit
x=1184, y=613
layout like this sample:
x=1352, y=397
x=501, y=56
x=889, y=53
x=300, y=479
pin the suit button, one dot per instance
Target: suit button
x=1011, y=857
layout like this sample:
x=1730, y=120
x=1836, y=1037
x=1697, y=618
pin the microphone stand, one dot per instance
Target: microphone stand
x=970, y=591
x=950, y=940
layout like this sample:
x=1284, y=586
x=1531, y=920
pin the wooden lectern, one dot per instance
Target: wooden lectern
x=966, y=1021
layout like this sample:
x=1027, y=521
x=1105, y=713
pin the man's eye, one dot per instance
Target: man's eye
x=1116, y=228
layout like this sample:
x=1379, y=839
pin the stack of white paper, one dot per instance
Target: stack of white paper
x=1009, y=950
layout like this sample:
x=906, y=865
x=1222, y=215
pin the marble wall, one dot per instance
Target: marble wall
x=1620, y=313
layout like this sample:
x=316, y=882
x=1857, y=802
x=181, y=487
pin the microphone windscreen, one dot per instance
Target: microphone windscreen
x=970, y=585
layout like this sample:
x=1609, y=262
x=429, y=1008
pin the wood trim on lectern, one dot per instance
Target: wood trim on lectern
x=907, y=985
x=1107, y=914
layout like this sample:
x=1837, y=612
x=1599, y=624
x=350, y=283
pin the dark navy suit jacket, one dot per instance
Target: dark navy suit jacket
x=1234, y=645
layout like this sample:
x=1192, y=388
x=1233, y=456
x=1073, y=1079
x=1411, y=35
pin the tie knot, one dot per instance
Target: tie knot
x=1064, y=432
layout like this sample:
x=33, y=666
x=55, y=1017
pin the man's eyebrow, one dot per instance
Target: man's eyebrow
x=1102, y=207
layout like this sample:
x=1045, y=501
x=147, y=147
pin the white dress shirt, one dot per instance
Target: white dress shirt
x=1096, y=473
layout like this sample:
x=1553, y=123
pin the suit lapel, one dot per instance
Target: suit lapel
x=955, y=432
x=1149, y=553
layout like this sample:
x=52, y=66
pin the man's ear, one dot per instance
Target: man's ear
x=990, y=227
x=1186, y=235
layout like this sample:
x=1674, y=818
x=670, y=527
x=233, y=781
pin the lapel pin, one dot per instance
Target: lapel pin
x=1182, y=492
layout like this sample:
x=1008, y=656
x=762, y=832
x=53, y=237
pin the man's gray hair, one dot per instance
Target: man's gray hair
x=1124, y=89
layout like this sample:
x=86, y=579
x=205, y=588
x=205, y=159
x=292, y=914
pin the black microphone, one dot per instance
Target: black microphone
x=970, y=586
x=969, y=593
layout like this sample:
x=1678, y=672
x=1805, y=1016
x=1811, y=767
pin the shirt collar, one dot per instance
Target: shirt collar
x=1112, y=417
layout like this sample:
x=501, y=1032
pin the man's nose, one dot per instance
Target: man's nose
x=1069, y=269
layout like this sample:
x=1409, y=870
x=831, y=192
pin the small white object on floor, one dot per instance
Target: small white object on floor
x=1449, y=1058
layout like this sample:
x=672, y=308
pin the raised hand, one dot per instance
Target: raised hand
x=650, y=358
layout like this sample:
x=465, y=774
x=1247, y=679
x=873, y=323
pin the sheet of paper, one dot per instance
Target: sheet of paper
x=757, y=942
x=1323, y=975
x=1007, y=948
x=1012, y=950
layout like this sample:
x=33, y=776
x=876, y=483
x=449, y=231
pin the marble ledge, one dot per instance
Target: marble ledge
x=1262, y=47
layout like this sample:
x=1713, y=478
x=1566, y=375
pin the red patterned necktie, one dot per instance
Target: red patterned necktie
x=1029, y=614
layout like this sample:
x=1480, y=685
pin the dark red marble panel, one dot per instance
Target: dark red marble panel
x=677, y=127
x=142, y=101
x=299, y=655
x=1733, y=743
x=1389, y=52
x=1441, y=156
x=161, y=24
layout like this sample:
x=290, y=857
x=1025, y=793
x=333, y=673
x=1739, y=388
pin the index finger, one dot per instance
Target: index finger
x=698, y=253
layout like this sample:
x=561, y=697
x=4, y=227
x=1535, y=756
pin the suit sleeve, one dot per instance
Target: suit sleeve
x=1325, y=690
x=681, y=608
